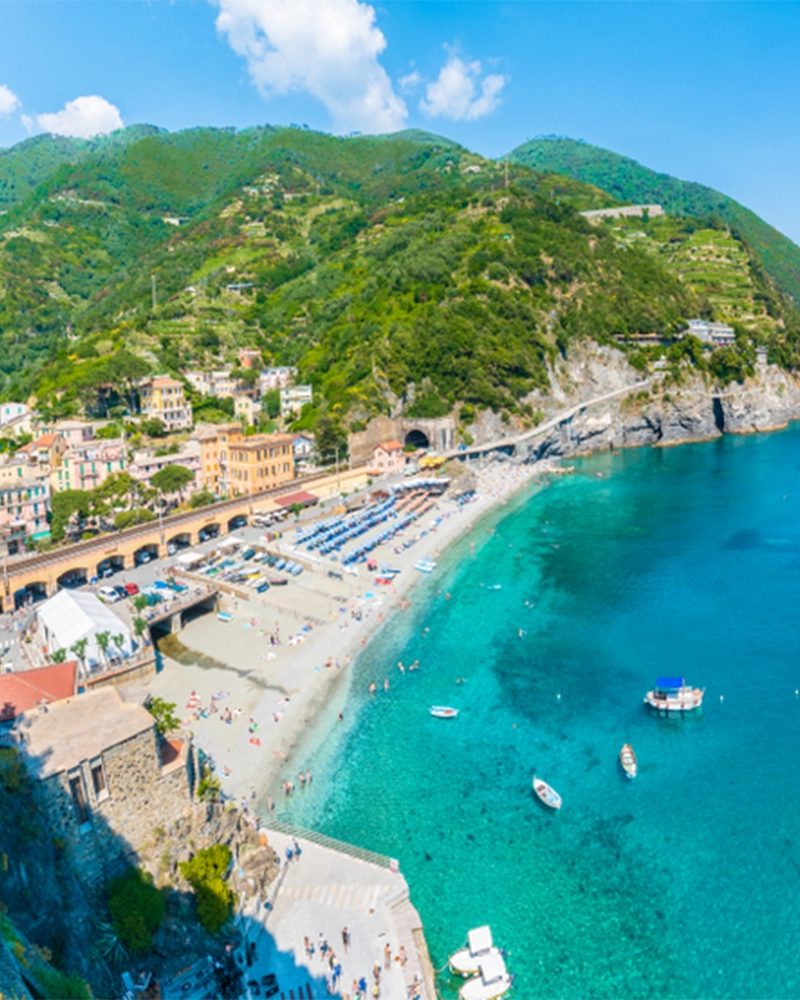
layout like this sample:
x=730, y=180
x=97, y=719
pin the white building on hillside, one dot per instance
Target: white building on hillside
x=72, y=615
x=708, y=332
x=11, y=411
x=294, y=398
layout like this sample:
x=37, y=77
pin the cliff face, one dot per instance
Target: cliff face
x=697, y=410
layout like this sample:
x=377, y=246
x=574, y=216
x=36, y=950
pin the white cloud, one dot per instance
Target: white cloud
x=328, y=48
x=83, y=118
x=410, y=82
x=28, y=122
x=454, y=94
x=8, y=100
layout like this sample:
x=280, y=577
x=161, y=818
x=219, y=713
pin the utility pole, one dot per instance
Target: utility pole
x=506, y=190
x=338, y=480
x=153, y=280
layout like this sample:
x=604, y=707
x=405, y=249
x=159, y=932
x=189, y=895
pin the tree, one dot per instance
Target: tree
x=140, y=602
x=205, y=872
x=201, y=499
x=271, y=402
x=79, y=649
x=103, y=639
x=58, y=655
x=127, y=518
x=119, y=642
x=172, y=478
x=67, y=506
x=139, y=625
x=154, y=428
x=126, y=370
x=137, y=908
x=330, y=438
x=164, y=714
x=296, y=509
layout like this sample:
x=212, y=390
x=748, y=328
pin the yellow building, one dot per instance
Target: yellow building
x=162, y=399
x=232, y=464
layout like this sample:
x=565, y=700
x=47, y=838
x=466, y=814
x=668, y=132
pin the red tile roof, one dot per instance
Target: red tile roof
x=22, y=690
x=304, y=498
x=46, y=440
x=391, y=446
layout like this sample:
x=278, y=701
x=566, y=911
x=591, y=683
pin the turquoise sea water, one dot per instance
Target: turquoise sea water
x=682, y=883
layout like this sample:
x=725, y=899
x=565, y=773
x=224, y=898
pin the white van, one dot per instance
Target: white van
x=108, y=595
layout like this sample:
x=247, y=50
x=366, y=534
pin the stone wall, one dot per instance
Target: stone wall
x=440, y=432
x=140, y=797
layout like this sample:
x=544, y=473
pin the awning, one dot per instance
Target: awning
x=303, y=498
x=668, y=683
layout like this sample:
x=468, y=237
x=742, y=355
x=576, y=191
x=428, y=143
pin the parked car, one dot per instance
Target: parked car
x=172, y=548
x=248, y=554
x=123, y=593
x=142, y=558
x=262, y=587
x=132, y=589
x=108, y=595
x=239, y=522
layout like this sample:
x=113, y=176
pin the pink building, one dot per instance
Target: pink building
x=86, y=465
x=388, y=457
x=23, y=512
x=145, y=464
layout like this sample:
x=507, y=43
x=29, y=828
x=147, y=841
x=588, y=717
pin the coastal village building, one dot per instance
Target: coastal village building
x=145, y=464
x=84, y=466
x=249, y=357
x=26, y=689
x=72, y=615
x=275, y=378
x=718, y=334
x=9, y=412
x=388, y=457
x=23, y=512
x=233, y=464
x=258, y=463
x=162, y=399
x=294, y=398
x=247, y=410
x=103, y=777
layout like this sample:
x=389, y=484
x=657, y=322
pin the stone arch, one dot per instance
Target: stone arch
x=76, y=576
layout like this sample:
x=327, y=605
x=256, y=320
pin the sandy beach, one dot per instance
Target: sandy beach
x=249, y=690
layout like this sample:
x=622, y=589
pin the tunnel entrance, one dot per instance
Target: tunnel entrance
x=417, y=439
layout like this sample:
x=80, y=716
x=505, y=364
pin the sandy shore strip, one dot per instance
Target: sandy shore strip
x=249, y=690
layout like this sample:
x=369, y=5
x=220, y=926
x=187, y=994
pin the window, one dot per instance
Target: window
x=99, y=780
x=79, y=799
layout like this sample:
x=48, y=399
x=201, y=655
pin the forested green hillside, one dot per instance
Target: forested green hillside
x=401, y=268
x=629, y=181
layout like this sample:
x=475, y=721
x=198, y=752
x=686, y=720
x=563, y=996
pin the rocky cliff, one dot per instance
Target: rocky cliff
x=660, y=413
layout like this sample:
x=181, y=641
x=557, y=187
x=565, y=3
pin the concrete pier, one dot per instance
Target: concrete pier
x=332, y=887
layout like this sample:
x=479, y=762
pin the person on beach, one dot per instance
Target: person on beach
x=400, y=667
x=302, y=779
x=372, y=688
x=345, y=939
x=296, y=846
x=387, y=956
x=308, y=778
x=270, y=804
x=341, y=717
x=386, y=684
x=402, y=957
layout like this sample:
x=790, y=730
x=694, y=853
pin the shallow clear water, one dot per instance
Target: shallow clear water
x=682, y=883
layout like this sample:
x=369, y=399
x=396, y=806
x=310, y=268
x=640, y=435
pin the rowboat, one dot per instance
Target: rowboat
x=673, y=694
x=628, y=760
x=425, y=565
x=467, y=961
x=547, y=795
x=443, y=712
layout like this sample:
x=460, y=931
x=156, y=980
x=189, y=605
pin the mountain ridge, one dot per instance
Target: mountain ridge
x=629, y=181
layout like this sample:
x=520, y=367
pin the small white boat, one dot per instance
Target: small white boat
x=425, y=565
x=443, y=712
x=673, y=694
x=549, y=796
x=628, y=760
x=492, y=982
x=467, y=961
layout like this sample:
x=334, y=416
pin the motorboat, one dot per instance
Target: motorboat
x=443, y=712
x=492, y=981
x=425, y=565
x=466, y=962
x=628, y=760
x=673, y=694
x=547, y=795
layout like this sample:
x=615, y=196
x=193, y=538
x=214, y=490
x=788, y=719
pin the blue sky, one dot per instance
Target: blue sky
x=707, y=92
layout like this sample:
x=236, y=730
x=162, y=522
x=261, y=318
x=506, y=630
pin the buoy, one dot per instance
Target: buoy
x=722, y=697
x=558, y=696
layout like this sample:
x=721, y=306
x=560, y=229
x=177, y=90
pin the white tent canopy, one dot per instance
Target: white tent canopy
x=73, y=615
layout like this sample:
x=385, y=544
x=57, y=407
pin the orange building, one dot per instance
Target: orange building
x=232, y=464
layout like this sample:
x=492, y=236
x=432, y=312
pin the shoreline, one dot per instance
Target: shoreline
x=286, y=699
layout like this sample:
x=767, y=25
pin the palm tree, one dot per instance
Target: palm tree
x=79, y=649
x=119, y=641
x=58, y=655
x=103, y=639
x=139, y=625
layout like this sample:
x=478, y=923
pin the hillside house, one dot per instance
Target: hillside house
x=388, y=457
x=708, y=332
x=103, y=777
x=294, y=398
